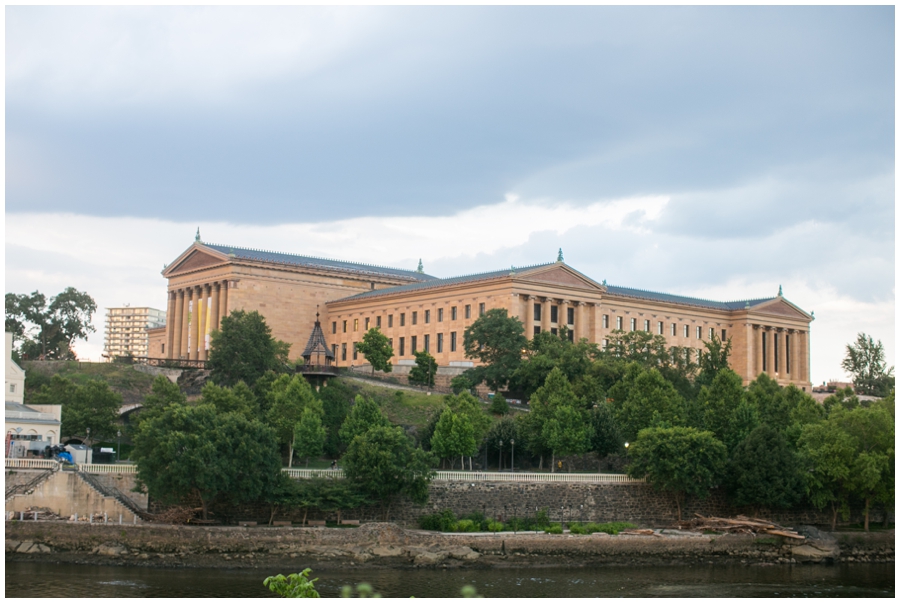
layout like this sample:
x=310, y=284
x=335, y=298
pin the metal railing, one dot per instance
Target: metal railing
x=311, y=473
x=30, y=484
x=112, y=491
x=175, y=363
x=31, y=464
x=317, y=369
x=97, y=468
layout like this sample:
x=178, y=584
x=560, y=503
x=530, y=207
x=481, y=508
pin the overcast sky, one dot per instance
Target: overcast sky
x=716, y=152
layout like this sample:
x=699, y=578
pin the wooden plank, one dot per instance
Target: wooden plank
x=316, y=522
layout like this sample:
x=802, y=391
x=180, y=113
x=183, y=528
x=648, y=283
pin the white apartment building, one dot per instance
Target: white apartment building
x=126, y=330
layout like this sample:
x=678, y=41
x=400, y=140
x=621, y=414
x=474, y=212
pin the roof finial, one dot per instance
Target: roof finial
x=747, y=305
x=420, y=269
x=559, y=256
x=197, y=236
x=317, y=313
x=604, y=282
x=779, y=291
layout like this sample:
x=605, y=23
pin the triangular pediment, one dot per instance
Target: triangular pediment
x=194, y=258
x=781, y=307
x=561, y=275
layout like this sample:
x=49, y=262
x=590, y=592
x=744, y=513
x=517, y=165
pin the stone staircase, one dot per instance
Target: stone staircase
x=115, y=493
x=30, y=485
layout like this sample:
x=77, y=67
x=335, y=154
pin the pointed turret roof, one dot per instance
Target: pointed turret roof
x=317, y=344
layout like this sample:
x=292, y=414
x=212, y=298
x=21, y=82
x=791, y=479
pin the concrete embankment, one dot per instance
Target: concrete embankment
x=387, y=545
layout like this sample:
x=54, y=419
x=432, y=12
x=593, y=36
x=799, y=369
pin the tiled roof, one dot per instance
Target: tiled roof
x=686, y=301
x=443, y=282
x=275, y=257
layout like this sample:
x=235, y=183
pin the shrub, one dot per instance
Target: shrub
x=466, y=525
x=554, y=528
x=578, y=528
x=480, y=521
x=443, y=521
x=495, y=526
x=499, y=405
x=542, y=518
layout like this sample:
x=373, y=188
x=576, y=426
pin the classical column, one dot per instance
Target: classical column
x=223, y=302
x=804, y=357
x=186, y=322
x=529, y=316
x=195, y=323
x=214, y=307
x=792, y=348
x=545, y=314
x=177, y=325
x=770, y=352
x=580, y=330
x=750, y=351
x=170, y=331
x=758, y=351
x=597, y=322
x=777, y=353
x=204, y=322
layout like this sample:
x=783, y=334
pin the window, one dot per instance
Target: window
x=378, y=321
x=605, y=343
x=334, y=350
x=403, y=319
x=345, y=326
x=333, y=327
x=673, y=329
x=537, y=330
x=412, y=344
x=343, y=351
x=402, y=346
x=355, y=352
x=390, y=321
x=355, y=324
x=570, y=316
x=712, y=333
x=571, y=335
x=440, y=315
x=481, y=309
x=687, y=332
x=163, y=348
x=453, y=341
x=453, y=313
x=415, y=317
x=440, y=343
x=699, y=332
x=367, y=324
x=619, y=323
x=12, y=388
x=787, y=351
x=647, y=325
x=468, y=311
x=659, y=328
x=554, y=331
x=606, y=321
x=391, y=342
x=634, y=324
x=723, y=335
x=537, y=312
x=427, y=347
x=764, y=355
x=427, y=316
x=554, y=314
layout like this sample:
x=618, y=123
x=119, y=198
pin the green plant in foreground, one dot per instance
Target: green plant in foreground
x=293, y=586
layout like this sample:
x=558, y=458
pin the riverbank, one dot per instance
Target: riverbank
x=387, y=545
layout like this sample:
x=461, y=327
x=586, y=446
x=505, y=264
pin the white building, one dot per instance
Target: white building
x=126, y=330
x=29, y=429
x=15, y=376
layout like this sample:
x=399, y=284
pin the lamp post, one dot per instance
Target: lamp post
x=500, y=459
x=88, y=437
x=118, y=445
x=512, y=462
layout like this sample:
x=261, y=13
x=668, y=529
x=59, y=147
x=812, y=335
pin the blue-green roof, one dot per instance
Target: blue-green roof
x=275, y=257
x=685, y=301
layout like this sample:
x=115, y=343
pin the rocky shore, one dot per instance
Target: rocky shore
x=387, y=545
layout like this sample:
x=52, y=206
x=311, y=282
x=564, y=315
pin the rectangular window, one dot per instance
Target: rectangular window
x=413, y=344
x=764, y=350
x=554, y=314
x=415, y=318
x=343, y=351
x=333, y=327
x=687, y=332
x=481, y=309
x=537, y=330
x=619, y=323
x=453, y=341
x=570, y=316
x=355, y=324
x=712, y=333
x=537, y=312
x=162, y=349
x=673, y=329
x=605, y=343
x=699, y=332
x=440, y=343
x=427, y=316
x=403, y=319
x=440, y=315
x=554, y=330
x=390, y=321
x=355, y=353
x=647, y=325
x=659, y=328
x=775, y=339
x=12, y=388
x=378, y=321
x=427, y=346
x=468, y=311
x=367, y=324
x=723, y=335
x=453, y=313
x=634, y=324
x=787, y=352
x=402, y=346
x=606, y=321
x=391, y=342
x=345, y=326
x=571, y=335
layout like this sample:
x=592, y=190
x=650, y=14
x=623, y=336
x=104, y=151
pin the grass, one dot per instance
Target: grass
x=122, y=378
x=401, y=407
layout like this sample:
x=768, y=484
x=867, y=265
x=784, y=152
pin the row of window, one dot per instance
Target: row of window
x=413, y=345
x=660, y=328
x=554, y=314
x=776, y=352
x=467, y=311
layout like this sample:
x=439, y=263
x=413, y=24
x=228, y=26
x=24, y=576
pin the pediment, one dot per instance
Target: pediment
x=782, y=307
x=194, y=258
x=561, y=274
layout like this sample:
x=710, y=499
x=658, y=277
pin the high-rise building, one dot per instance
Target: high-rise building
x=126, y=330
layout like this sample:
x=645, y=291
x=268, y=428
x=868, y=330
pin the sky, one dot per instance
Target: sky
x=715, y=152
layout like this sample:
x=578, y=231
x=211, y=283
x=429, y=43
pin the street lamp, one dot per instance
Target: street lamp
x=118, y=445
x=512, y=462
x=500, y=460
x=88, y=437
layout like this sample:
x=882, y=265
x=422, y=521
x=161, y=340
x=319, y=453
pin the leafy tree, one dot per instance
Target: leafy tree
x=681, y=460
x=377, y=349
x=162, y=393
x=382, y=464
x=719, y=400
x=497, y=340
x=643, y=398
x=243, y=349
x=47, y=331
x=239, y=399
x=605, y=436
x=505, y=430
x=865, y=361
x=765, y=394
x=827, y=453
x=336, y=397
x=842, y=398
x=294, y=586
x=741, y=424
x=454, y=436
x=556, y=392
x=425, y=370
x=803, y=410
x=364, y=415
x=290, y=397
x=465, y=382
x=764, y=471
x=337, y=495
x=467, y=405
x=309, y=434
x=499, y=405
x=92, y=405
x=566, y=432
x=638, y=346
x=713, y=359
x=547, y=351
x=217, y=457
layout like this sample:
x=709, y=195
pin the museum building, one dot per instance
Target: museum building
x=420, y=312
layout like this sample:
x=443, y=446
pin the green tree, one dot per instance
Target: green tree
x=643, y=398
x=290, y=397
x=497, y=341
x=239, y=399
x=742, y=422
x=454, y=436
x=336, y=397
x=713, y=359
x=719, y=400
x=293, y=586
x=499, y=405
x=243, y=349
x=547, y=351
x=383, y=465
x=681, y=460
x=309, y=434
x=556, y=392
x=92, y=406
x=842, y=398
x=47, y=331
x=765, y=394
x=764, y=471
x=865, y=361
x=827, y=453
x=605, y=436
x=505, y=430
x=566, y=432
x=364, y=415
x=467, y=405
x=377, y=349
x=217, y=457
x=425, y=370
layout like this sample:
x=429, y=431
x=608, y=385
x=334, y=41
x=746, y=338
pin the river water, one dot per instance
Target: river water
x=33, y=579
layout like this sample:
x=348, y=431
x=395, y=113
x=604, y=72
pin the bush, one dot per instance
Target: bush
x=466, y=525
x=480, y=521
x=542, y=518
x=578, y=528
x=499, y=405
x=554, y=528
x=495, y=526
x=443, y=521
